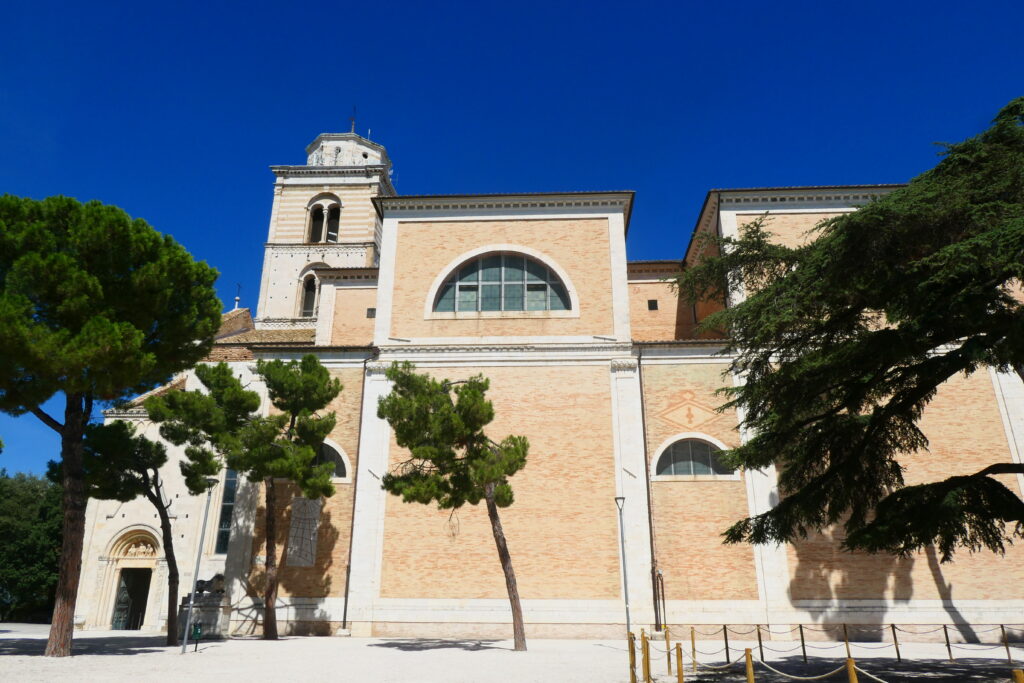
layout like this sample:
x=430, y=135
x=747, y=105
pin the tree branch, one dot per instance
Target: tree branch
x=47, y=420
x=1001, y=468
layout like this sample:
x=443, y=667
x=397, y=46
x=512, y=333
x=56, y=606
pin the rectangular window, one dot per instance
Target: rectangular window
x=467, y=298
x=513, y=297
x=652, y=304
x=371, y=312
x=537, y=297
x=227, y=506
x=490, y=298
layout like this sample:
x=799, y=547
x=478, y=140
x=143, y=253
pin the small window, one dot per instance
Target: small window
x=308, y=297
x=371, y=312
x=652, y=304
x=691, y=457
x=502, y=282
x=227, y=507
x=326, y=454
x=333, y=219
x=316, y=225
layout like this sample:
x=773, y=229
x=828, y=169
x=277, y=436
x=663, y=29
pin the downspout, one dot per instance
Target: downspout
x=355, y=475
x=647, y=487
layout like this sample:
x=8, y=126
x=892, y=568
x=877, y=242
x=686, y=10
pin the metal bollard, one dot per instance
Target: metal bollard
x=895, y=642
x=725, y=632
x=645, y=653
x=632, y=657
x=760, y=645
x=1006, y=644
x=750, y=665
x=693, y=647
x=949, y=649
x=679, y=664
x=851, y=670
x=803, y=645
x=668, y=652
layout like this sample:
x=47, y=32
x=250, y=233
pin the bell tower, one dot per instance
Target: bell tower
x=322, y=219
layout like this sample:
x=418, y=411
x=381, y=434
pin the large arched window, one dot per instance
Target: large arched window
x=324, y=218
x=308, y=297
x=692, y=457
x=502, y=282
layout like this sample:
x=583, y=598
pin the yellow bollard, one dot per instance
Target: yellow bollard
x=750, y=665
x=846, y=639
x=851, y=670
x=632, y=657
x=679, y=663
x=645, y=653
x=1018, y=676
x=668, y=652
x=693, y=647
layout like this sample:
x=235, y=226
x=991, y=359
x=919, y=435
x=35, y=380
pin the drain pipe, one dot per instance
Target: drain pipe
x=655, y=584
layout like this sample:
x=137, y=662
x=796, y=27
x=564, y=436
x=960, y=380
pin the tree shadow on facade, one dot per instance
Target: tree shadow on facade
x=826, y=579
x=306, y=583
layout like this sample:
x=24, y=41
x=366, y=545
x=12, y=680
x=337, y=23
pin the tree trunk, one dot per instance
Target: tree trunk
x=518, y=630
x=172, y=565
x=62, y=626
x=270, y=594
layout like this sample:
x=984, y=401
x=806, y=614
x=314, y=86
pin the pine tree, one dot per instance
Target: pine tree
x=121, y=465
x=842, y=343
x=95, y=306
x=284, y=446
x=452, y=461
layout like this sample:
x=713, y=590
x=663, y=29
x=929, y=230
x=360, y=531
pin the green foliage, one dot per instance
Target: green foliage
x=285, y=445
x=207, y=424
x=30, y=537
x=843, y=342
x=94, y=302
x=442, y=424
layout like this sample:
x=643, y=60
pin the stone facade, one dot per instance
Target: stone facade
x=608, y=386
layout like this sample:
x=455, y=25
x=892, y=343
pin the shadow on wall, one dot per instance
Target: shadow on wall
x=825, y=573
x=309, y=582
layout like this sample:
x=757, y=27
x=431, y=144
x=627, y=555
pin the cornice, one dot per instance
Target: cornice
x=465, y=349
x=322, y=247
x=285, y=323
x=463, y=203
x=860, y=195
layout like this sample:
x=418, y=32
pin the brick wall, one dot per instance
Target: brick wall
x=350, y=324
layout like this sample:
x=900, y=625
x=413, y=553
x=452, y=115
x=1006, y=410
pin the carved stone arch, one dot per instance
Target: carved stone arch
x=323, y=198
x=121, y=541
x=535, y=254
x=132, y=550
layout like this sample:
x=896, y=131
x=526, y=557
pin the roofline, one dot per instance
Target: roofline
x=347, y=136
x=629, y=194
x=805, y=187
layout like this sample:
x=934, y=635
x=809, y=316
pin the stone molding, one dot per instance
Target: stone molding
x=624, y=364
x=732, y=199
x=507, y=348
x=285, y=324
x=481, y=203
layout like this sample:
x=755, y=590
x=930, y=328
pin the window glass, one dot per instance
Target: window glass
x=502, y=282
x=490, y=298
x=490, y=269
x=513, y=297
x=227, y=507
x=326, y=454
x=446, y=302
x=692, y=457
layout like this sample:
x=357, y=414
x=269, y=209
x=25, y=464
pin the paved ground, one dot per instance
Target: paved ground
x=113, y=656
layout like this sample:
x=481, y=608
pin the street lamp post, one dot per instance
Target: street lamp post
x=211, y=482
x=619, y=501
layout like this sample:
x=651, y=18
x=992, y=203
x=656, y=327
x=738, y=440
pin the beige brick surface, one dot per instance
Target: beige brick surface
x=579, y=246
x=562, y=528
x=351, y=326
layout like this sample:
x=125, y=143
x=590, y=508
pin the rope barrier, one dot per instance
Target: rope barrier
x=825, y=647
x=869, y=675
x=713, y=633
x=803, y=678
x=710, y=654
x=919, y=633
x=743, y=633
x=772, y=649
x=883, y=646
x=974, y=647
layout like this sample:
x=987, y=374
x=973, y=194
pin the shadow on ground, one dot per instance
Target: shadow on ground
x=421, y=644
x=117, y=645
x=889, y=670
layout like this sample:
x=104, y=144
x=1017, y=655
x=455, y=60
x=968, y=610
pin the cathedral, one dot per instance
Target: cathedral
x=593, y=358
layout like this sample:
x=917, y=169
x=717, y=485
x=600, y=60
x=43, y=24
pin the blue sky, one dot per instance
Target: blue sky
x=174, y=111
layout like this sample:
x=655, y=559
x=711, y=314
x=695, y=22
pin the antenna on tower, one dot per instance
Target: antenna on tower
x=353, y=119
x=238, y=295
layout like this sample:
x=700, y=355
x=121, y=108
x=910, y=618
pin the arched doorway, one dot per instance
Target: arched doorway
x=133, y=562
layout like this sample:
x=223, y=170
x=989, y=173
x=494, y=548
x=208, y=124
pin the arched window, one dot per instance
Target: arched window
x=692, y=457
x=333, y=218
x=502, y=282
x=308, y=296
x=316, y=224
x=328, y=454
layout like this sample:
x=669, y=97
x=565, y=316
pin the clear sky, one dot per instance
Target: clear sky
x=174, y=110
